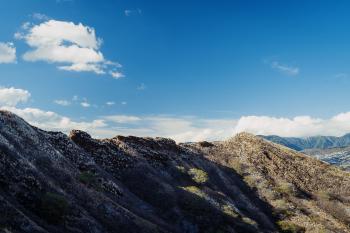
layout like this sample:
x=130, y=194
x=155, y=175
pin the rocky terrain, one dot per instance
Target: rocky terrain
x=51, y=182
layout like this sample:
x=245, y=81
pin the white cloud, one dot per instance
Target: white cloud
x=116, y=74
x=52, y=121
x=85, y=104
x=12, y=96
x=7, y=53
x=110, y=103
x=286, y=69
x=300, y=126
x=124, y=103
x=181, y=129
x=79, y=67
x=72, y=47
x=62, y=102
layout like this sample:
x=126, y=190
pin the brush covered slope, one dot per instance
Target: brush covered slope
x=51, y=182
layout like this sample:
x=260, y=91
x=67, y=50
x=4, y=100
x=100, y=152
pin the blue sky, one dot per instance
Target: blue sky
x=190, y=70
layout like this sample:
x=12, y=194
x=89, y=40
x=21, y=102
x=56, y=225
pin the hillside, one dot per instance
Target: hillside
x=51, y=182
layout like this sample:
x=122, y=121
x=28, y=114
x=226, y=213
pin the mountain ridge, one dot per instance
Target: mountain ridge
x=52, y=182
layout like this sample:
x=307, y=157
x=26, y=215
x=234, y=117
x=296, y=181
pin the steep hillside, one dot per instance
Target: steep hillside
x=50, y=182
x=316, y=142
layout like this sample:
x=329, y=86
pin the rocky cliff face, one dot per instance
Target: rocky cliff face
x=51, y=182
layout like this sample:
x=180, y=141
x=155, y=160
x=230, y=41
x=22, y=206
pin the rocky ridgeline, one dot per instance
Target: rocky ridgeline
x=51, y=182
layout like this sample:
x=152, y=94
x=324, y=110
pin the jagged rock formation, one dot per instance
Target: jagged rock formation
x=51, y=182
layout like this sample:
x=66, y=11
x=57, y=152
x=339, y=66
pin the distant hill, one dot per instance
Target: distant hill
x=316, y=142
x=339, y=156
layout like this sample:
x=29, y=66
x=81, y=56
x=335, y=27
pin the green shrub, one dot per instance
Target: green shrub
x=195, y=190
x=181, y=169
x=87, y=178
x=282, y=208
x=285, y=188
x=198, y=175
x=229, y=211
x=289, y=227
x=250, y=180
x=53, y=208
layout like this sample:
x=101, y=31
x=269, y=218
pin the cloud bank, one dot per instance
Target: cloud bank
x=300, y=126
x=180, y=128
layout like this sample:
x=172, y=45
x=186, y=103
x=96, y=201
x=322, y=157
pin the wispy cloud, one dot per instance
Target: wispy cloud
x=110, y=103
x=85, y=104
x=285, y=69
x=131, y=12
x=141, y=87
x=122, y=118
x=40, y=16
x=341, y=76
x=116, y=74
x=62, y=102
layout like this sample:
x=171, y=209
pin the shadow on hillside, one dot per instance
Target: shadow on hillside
x=207, y=206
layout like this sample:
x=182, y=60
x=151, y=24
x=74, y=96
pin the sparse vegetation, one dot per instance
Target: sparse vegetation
x=53, y=208
x=198, y=176
x=285, y=188
x=195, y=190
x=227, y=209
x=238, y=166
x=289, y=227
x=87, y=178
x=335, y=208
x=181, y=169
x=282, y=208
x=250, y=180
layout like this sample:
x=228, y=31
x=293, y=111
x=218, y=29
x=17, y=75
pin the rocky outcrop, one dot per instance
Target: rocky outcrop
x=51, y=182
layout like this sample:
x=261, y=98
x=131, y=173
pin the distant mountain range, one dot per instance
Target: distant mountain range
x=316, y=142
x=333, y=150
